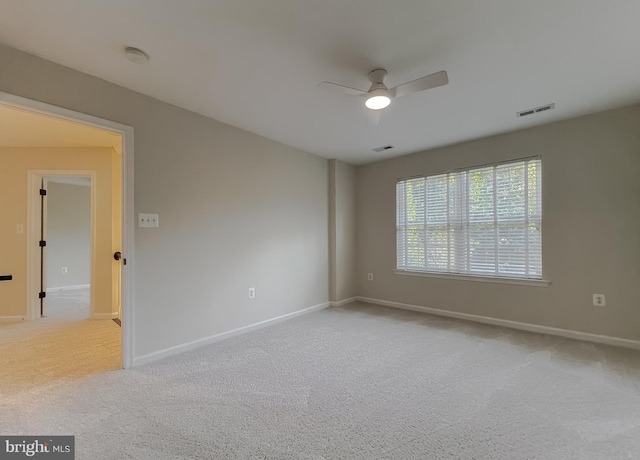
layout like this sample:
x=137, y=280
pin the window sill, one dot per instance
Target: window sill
x=481, y=279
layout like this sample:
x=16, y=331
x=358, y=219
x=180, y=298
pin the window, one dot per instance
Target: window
x=484, y=221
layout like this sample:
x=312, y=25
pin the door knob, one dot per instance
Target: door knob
x=117, y=255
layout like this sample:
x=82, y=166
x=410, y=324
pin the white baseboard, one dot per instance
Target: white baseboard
x=104, y=315
x=340, y=303
x=585, y=336
x=177, y=349
x=11, y=319
x=69, y=288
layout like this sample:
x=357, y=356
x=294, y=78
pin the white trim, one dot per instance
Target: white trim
x=482, y=279
x=128, y=221
x=177, y=349
x=340, y=303
x=12, y=319
x=577, y=335
x=70, y=180
x=111, y=315
x=69, y=288
x=469, y=168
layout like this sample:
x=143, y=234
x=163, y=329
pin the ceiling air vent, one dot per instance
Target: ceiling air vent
x=382, y=149
x=542, y=108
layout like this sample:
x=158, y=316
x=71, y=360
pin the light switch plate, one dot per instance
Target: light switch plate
x=148, y=220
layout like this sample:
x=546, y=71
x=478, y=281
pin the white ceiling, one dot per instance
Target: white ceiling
x=256, y=64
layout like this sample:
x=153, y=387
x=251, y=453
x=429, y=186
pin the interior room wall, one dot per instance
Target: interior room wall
x=591, y=223
x=68, y=235
x=14, y=164
x=345, y=223
x=333, y=273
x=236, y=210
x=342, y=231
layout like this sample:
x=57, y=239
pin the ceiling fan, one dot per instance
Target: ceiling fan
x=379, y=96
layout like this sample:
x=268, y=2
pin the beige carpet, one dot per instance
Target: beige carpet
x=358, y=382
x=63, y=346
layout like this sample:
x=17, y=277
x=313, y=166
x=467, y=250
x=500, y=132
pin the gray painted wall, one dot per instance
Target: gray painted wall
x=591, y=227
x=342, y=230
x=236, y=210
x=68, y=235
x=345, y=231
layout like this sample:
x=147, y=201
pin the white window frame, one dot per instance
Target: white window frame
x=465, y=271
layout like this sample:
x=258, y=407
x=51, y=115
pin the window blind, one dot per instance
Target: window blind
x=483, y=221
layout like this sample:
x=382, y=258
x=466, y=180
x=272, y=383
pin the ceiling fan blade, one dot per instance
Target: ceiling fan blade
x=341, y=88
x=430, y=81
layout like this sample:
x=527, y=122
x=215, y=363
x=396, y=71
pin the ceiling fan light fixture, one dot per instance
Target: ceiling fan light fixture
x=379, y=95
x=377, y=100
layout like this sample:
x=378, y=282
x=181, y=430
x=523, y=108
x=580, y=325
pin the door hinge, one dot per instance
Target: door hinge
x=43, y=243
x=43, y=192
x=42, y=295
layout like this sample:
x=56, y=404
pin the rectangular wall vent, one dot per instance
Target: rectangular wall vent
x=542, y=108
x=381, y=149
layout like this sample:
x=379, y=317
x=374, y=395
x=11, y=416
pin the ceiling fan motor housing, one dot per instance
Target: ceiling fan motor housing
x=377, y=77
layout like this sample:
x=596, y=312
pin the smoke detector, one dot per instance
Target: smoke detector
x=136, y=55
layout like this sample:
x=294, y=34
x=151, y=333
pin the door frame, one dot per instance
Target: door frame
x=128, y=220
x=34, y=178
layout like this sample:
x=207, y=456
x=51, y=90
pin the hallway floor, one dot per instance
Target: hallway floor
x=64, y=345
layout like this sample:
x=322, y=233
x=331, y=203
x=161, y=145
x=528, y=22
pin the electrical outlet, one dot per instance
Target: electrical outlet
x=598, y=300
x=252, y=293
x=65, y=269
x=370, y=276
x=148, y=220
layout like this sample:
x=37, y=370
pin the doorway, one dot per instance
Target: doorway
x=67, y=267
x=123, y=309
x=68, y=200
